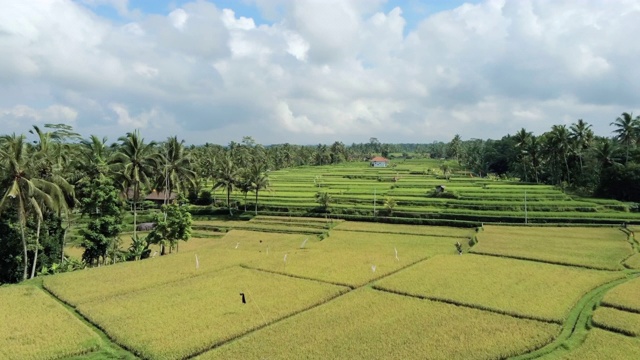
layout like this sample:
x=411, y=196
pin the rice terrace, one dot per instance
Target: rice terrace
x=346, y=260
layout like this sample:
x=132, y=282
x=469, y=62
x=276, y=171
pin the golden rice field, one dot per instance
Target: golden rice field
x=107, y=281
x=522, y=288
x=369, y=324
x=601, y=344
x=179, y=319
x=355, y=258
x=368, y=290
x=625, y=296
x=601, y=248
x=617, y=320
x=633, y=262
x=35, y=326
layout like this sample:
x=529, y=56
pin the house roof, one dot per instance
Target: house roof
x=160, y=195
x=380, y=159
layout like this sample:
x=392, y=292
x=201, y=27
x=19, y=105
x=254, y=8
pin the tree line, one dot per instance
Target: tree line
x=51, y=178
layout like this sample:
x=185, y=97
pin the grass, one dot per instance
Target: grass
x=600, y=248
x=368, y=324
x=601, y=344
x=617, y=320
x=181, y=319
x=354, y=258
x=516, y=287
x=35, y=326
x=625, y=296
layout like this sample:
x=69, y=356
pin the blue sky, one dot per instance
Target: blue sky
x=317, y=71
x=413, y=10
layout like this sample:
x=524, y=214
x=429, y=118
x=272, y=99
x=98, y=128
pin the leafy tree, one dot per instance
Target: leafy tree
x=174, y=227
x=389, y=204
x=454, y=150
x=324, y=199
x=102, y=204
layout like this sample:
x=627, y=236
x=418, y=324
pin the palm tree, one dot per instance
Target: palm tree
x=178, y=173
x=258, y=178
x=626, y=130
x=27, y=194
x=523, y=140
x=558, y=147
x=226, y=178
x=581, y=136
x=47, y=160
x=136, y=163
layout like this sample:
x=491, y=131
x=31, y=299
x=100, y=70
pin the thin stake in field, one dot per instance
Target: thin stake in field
x=396, y=250
x=285, y=262
x=197, y=262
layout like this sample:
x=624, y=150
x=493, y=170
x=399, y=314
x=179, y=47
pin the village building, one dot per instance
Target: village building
x=379, y=161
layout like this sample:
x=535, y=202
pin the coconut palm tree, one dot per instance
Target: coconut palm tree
x=581, y=137
x=258, y=178
x=27, y=194
x=47, y=160
x=177, y=171
x=558, y=147
x=523, y=139
x=626, y=131
x=136, y=163
x=226, y=178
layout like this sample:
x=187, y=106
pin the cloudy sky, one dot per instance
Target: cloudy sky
x=312, y=71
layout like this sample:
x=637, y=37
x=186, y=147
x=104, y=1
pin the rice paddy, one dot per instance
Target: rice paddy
x=599, y=248
x=35, y=326
x=369, y=324
x=521, y=288
x=322, y=288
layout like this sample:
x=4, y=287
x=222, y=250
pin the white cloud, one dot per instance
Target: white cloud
x=321, y=70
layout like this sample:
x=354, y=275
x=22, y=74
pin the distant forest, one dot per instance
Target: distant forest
x=52, y=174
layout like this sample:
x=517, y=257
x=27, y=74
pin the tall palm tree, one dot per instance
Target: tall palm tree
x=523, y=139
x=626, y=131
x=226, y=178
x=47, y=159
x=258, y=178
x=136, y=163
x=177, y=169
x=558, y=147
x=581, y=137
x=29, y=195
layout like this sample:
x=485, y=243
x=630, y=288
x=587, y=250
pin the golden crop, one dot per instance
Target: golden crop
x=35, y=326
x=602, y=344
x=518, y=287
x=355, y=258
x=625, y=296
x=621, y=321
x=602, y=248
x=369, y=324
x=121, y=278
x=179, y=319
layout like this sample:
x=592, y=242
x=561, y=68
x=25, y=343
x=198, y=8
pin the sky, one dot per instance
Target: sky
x=317, y=71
